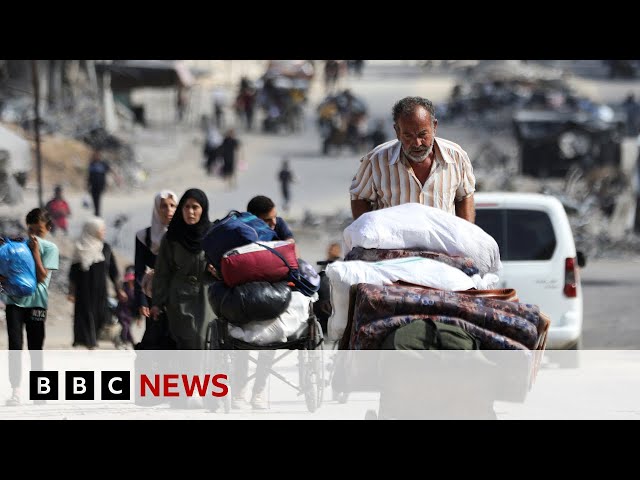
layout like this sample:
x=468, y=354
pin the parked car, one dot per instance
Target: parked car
x=539, y=258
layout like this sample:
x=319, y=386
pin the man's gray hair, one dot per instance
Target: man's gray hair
x=407, y=105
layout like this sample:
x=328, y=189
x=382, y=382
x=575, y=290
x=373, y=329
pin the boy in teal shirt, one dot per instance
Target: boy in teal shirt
x=30, y=311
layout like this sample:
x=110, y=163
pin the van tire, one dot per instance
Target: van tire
x=577, y=345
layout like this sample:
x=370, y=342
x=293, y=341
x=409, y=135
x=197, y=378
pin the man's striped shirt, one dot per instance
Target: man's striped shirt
x=386, y=179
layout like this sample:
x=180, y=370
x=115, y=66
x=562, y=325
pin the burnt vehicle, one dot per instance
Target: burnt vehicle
x=622, y=68
x=491, y=91
x=342, y=121
x=282, y=100
x=552, y=141
x=294, y=69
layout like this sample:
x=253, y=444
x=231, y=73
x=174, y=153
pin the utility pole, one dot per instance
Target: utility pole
x=36, y=93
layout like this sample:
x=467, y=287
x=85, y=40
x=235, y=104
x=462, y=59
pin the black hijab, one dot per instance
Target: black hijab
x=189, y=236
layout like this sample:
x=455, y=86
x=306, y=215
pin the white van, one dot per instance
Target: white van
x=539, y=258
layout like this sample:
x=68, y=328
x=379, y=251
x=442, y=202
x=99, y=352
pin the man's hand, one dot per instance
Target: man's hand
x=144, y=311
x=358, y=207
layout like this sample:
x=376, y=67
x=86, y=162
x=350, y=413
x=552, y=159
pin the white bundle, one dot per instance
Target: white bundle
x=413, y=225
x=416, y=270
x=290, y=325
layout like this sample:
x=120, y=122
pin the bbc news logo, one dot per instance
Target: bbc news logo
x=116, y=385
x=80, y=385
x=168, y=385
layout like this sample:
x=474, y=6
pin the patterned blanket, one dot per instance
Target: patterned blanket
x=519, y=322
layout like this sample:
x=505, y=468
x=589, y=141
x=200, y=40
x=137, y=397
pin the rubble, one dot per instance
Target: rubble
x=65, y=161
x=10, y=190
x=71, y=125
x=11, y=227
x=590, y=200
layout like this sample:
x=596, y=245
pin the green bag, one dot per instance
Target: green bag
x=426, y=334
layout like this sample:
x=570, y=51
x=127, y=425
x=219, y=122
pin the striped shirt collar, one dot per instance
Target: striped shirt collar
x=441, y=155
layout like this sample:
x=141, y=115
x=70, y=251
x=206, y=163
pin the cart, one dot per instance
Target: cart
x=311, y=379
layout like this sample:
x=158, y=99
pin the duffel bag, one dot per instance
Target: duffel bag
x=234, y=230
x=301, y=275
x=255, y=262
x=254, y=301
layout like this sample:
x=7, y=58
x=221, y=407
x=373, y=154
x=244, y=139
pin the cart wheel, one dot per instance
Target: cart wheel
x=311, y=371
x=227, y=362
x=318, y=368
x=221, y=361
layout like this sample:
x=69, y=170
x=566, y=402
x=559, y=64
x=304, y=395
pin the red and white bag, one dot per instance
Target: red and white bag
x=254, y=263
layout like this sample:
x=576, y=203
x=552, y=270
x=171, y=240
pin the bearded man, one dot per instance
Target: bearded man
x=417, y=167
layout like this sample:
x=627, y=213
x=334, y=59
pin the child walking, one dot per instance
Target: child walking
x=127, y=310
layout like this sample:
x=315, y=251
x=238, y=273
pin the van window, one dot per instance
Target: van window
x=520, y=234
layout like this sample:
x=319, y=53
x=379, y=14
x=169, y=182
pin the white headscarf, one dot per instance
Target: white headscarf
x=214, y=138
x=158, y=229
x=88, y=248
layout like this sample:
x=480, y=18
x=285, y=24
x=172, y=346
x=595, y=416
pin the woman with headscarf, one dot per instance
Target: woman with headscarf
x=91, y=263
x=156, y=333
x=182, y=273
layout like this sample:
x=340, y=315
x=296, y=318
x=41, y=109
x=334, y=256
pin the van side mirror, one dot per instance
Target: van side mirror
x=582, y=260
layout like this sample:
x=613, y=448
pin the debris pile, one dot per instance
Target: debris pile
x=70, y=130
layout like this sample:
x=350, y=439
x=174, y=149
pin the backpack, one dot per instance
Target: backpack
x=426, y=334
x=18, y=267
x=265, y=233
x=234, y=230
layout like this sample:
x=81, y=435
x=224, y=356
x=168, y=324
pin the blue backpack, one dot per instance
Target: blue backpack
x=265, y=234
x=234, y=230
x=18, y=267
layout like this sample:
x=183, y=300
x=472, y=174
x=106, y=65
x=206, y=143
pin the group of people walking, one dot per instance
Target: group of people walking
x=166, y=286
x=171, y=272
